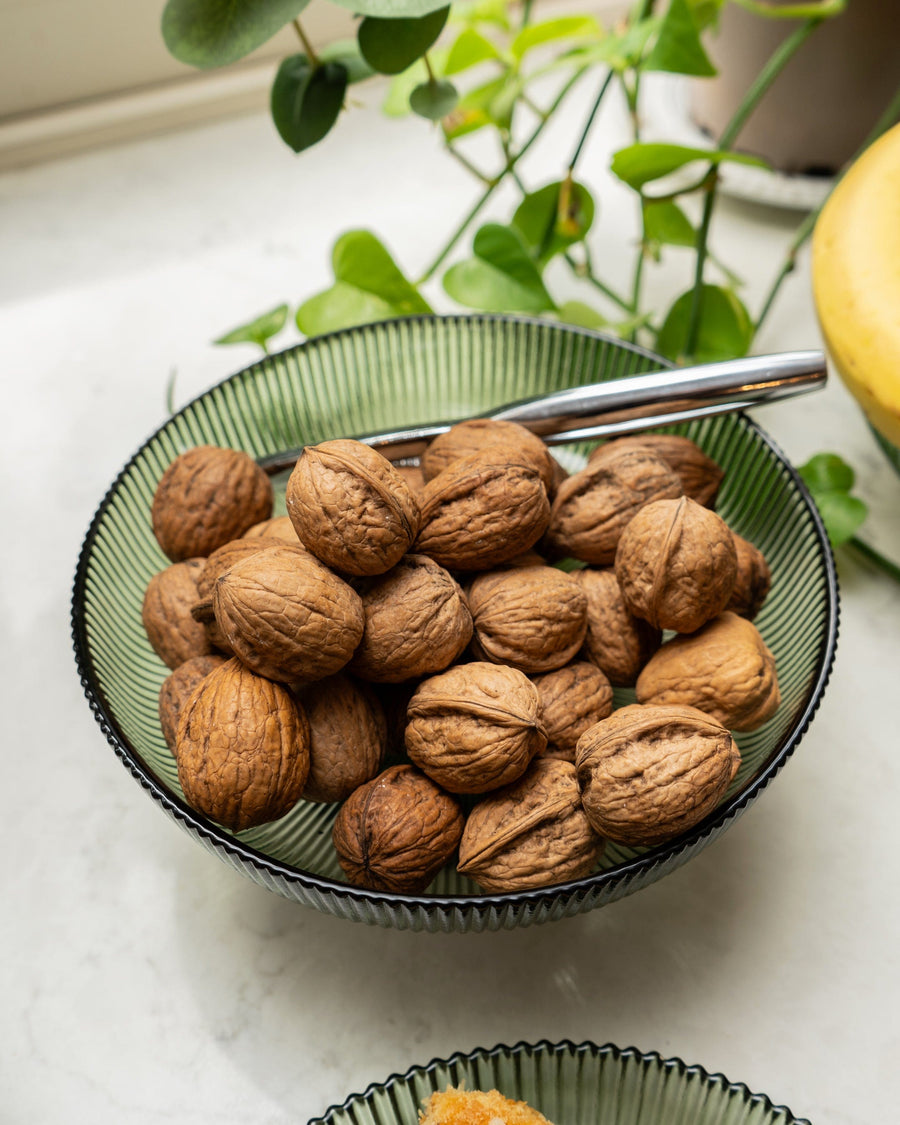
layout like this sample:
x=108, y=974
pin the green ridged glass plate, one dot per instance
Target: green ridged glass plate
x=403, y=373
x=571, y=1084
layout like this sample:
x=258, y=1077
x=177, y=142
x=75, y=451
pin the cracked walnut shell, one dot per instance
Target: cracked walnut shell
x=483, y=510
x=531, y=833
x=351, y=508
x=532, y=617
x=593, y=506
x=676, y=564
x=619, y=643
x=242, y=748
x=475, y=727
x=417, y=622
x=397, y=831
x=649, y=773
x=287, y=616
x=724, y=669
x=206, y=497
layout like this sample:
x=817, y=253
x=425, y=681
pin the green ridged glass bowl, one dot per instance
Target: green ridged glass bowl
x=406, y=372
x=571, y=1084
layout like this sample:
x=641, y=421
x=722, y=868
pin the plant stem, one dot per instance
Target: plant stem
x=512, y=159
x=876, y=557
x=757, y=90
x=307, y=46
x=607, y=82
x=585, y=272
x=888, y=118
x=482, y=177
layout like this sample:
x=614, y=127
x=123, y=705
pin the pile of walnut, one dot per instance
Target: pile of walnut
x=402, y=643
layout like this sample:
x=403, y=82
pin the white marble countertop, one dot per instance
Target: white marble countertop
x=143, y=980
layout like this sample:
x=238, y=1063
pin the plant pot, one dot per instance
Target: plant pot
x=822, y=106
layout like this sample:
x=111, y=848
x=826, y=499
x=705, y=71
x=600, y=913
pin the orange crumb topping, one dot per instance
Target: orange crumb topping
x=477, y=1107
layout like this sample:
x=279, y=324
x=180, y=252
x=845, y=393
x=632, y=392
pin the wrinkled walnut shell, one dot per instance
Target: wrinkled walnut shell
x=482, y=510
x=278, y=527
x=676, y=564
x=397, y=831
x=207, y=496
x=242, y=748
x=572, y=699
x=724, y=669
x=177, y=688
x=479, y=435
x=173, y=633
x=287, y=616
x=347, y=737
x=593, y=507
x=532, y=617
x=530, y=834
x=351, y=508
x=619, y=643
x=700, y=476
x=218, y=562
x=753, y=581
x=648, y=774
x=416, y=622
x=475, y=727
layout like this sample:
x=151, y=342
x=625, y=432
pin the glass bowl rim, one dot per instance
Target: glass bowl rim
x=574, y=890
x=561, y=1047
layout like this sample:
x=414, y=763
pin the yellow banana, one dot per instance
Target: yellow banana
x=856, y=281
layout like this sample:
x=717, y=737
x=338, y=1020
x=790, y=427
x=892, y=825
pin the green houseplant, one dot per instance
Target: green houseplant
x=485, y=66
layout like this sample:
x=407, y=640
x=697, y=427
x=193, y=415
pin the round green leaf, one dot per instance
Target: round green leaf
x=208, y=33
x=391, y=45
x=554, y=217
x=306, y=100
x=724, y=327
x=433, y=100
x=827, y=471
x=842, y=515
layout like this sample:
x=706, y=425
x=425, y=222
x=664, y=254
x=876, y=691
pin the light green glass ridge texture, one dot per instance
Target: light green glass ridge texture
x=404, y=373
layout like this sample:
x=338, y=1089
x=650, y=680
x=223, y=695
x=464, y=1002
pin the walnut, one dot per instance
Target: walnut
x=475, y=727
x=205, y=497
x=397, y=831
x=215, y=566
x=724, y=669
x=676, y=564
x=278, y=527
x=753, y=581
x=479, y=435
x=648, y=774
x=176, y=689
x=416, y=622
x=619, y=643
x=592, y=507
x=700, y=476
x=532, y=617
x=482, y=510
x=173, y=633
x=287, y=616
x=531, y=833
x=572, y=699
x=351, y=507
x=347, y=737
x=242, y=748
